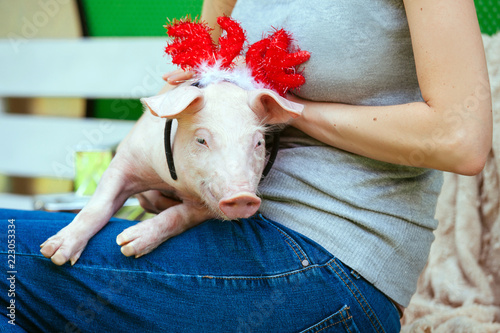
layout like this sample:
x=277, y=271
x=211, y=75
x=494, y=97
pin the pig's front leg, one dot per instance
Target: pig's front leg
x=147, y=235
x=69, y=243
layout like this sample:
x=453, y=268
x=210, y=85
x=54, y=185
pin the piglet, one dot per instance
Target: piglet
x=218, y=144
x=219, y=153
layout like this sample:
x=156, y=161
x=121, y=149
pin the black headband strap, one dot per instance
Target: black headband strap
x=168, y=149
x=170, y=158
x=274, y=151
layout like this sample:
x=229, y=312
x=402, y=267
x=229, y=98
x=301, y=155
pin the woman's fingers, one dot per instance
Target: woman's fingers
x=178, y=76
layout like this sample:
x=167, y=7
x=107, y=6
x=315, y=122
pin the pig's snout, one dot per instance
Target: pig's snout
x=241, y=205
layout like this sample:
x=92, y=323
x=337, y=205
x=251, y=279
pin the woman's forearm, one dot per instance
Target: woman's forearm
x=457, y=139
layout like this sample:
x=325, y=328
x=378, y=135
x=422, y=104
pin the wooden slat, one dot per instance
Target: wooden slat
x=85, y=67
x=35, y=146
x=15, y=201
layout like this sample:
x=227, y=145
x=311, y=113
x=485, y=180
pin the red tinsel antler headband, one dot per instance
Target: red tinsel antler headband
x=270, y=61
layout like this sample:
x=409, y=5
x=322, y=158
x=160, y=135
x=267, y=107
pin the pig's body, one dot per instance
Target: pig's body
x=219, y=155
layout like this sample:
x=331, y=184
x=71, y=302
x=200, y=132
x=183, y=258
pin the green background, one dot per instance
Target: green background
x=130, y=18
x=146, y=18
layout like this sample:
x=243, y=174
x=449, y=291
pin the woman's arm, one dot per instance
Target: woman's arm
x=452, y=129
x=212, y=9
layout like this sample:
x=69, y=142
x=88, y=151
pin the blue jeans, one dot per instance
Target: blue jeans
x=248, y=276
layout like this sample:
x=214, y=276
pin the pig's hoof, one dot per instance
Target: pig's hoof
x=59, y=251
x=141, y=238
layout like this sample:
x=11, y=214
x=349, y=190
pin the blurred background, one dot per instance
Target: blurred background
x=63, y=100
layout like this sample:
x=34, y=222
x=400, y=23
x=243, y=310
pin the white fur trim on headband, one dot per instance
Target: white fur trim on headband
x=241, y=76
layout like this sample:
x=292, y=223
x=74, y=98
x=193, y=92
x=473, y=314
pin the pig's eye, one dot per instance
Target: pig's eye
x=201, y=141
x=259, y=143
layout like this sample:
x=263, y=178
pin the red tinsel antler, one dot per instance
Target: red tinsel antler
x=270, y=60
x=192, y=44
x=232, y=44
x=274, y=65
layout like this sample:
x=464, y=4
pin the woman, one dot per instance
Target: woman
x=396, y=92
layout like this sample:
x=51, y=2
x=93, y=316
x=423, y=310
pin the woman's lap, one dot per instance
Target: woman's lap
x=247, y=276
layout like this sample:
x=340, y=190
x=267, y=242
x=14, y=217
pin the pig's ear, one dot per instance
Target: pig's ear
x=272, y=107
x=174, y=102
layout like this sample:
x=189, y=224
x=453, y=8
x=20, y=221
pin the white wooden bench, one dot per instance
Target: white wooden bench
x=43, y=146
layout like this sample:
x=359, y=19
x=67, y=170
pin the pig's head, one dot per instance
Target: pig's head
x=219, y=147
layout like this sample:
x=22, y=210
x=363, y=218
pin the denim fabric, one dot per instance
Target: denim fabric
x=252, y=275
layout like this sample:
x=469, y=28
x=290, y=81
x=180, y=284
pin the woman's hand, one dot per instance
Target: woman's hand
x=178, y=76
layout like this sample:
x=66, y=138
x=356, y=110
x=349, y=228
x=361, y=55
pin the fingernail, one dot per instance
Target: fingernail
x=172, y=80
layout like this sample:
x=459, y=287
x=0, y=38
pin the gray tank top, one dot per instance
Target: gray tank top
x=377, y=217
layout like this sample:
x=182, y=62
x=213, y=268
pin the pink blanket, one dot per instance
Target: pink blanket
x=459, y=290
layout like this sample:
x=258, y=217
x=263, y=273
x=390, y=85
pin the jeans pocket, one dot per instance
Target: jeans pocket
x=339, y=322
x=295, y=248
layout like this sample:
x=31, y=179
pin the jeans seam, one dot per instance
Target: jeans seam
x=126, y=270
x=259, y=277
x=294, y=246
x=291, y=246
x=332, y=324
x=356, y=297
x=344, y=320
